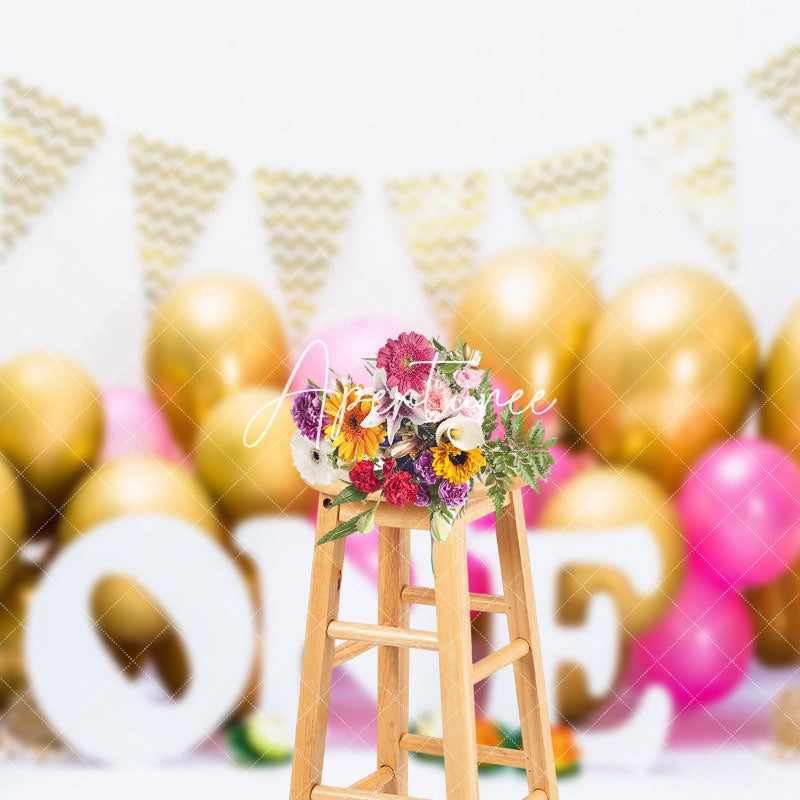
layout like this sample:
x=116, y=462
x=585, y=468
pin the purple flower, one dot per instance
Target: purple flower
x=423, y=466
x=454, y=495
x=307, y=411
x=423, y=497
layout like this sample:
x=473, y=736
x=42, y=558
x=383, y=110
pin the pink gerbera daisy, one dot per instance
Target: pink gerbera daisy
x=408, y=361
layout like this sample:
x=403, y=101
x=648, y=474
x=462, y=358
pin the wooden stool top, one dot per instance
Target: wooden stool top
x=416, y=517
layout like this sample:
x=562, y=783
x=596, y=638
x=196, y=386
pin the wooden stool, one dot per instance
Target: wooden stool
x=393, y=637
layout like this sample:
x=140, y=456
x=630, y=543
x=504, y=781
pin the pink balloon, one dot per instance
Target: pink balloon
x=348, y=344
x=701, y=650
x=134, y=424
x=741, y=512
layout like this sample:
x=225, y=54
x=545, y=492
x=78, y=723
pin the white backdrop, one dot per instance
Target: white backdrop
x=380, y=91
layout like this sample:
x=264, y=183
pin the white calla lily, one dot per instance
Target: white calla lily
x=463, y=432
x=473, y=358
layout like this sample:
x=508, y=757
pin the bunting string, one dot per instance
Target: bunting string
x=564, y=197
x=440, y=219
x=43, y=141
x=175, y=190
x=692, y=149
x=304, y=216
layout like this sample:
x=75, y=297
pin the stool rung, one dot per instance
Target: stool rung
x=487, y=666
x=492, y=603
x=344, y=652
x=487, y=754
x=375, y=781
x=320, y=792
x=537, y=794
x=383, y=635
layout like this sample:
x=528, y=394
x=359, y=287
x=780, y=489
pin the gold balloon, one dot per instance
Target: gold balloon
x=171, y=661
x=669, y=369
x=128, y=485
x=529, y=312
x=12, y=522
x=14, y=604
x=211, y=337
x=251, y=480
x=780, y=418
x=602, y=498
x=51, y=425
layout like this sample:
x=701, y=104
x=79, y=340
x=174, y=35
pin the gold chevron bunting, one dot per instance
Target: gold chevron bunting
x=564, y=198
x=692, y=149
x=174, y=192
x=304, y=216
x=778, y=82
x=440, y=218
x=43, y=140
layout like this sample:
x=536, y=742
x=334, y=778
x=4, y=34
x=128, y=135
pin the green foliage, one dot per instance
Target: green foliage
x=345, y=528
x=519, y=452
x=349, y=495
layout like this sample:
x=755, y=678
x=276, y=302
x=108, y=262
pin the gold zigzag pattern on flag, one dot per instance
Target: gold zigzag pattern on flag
x=174, y=191
x=304, y=216
x=564, y=198
x=440, y=218
x=778, y=82
x=43, y=140
x=693, y=150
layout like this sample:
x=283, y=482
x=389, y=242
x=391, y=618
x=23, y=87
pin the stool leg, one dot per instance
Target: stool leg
x=394, y=567
x=512, y=542
x=315, y=684
x=455, y=666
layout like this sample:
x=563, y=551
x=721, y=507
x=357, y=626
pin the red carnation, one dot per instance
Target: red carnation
x=399, y=490
x=388, y=467
x=364, y=478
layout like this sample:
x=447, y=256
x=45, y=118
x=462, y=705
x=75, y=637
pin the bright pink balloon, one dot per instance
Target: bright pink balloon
x=701, y=650
x=134, y=424
x=741, y=512
x=348, y=344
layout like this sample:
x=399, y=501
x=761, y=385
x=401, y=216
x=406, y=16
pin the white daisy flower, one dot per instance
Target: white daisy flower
x=312, y=462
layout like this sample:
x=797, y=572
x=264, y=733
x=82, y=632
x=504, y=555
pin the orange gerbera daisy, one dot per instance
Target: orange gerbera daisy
x=347, y=410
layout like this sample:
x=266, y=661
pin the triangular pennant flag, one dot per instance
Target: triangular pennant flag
x=43, y=140
x=174, y=190
x=304, y=216
x=564, y=198
x=440, y=218
x=778, y=81
x=692, y=149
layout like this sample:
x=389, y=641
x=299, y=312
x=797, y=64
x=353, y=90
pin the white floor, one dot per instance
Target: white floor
x=704, y=775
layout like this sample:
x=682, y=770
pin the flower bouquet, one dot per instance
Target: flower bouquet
x=423, y=434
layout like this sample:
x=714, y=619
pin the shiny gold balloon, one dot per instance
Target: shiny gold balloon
x=251, y=480
x=669, y=369
x=210, y=337
x=529, y=312
x=602, y=498
x=51, y=425
x=171, y=661
x=12, y=522
x=14, y=605
x=128, y=485
x=780, y=417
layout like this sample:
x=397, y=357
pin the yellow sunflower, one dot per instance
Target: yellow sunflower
x=347, y=409
x=457, y=466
